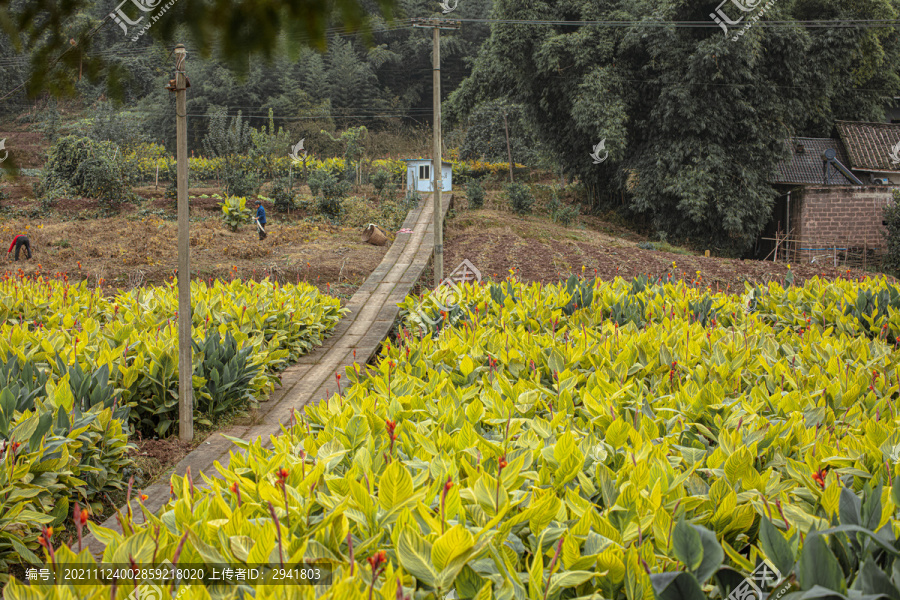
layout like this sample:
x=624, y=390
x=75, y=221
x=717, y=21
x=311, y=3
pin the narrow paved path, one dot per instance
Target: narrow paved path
x=373, y=310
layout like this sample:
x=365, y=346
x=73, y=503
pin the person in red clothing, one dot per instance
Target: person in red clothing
x=17, y=243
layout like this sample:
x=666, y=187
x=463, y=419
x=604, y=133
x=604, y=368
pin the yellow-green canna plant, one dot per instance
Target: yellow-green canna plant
x=530, y=441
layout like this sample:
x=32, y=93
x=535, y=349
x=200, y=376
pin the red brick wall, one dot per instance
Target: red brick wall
x=848, y=216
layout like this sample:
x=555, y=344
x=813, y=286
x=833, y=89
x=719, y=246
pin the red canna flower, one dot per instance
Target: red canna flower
x=819, y=477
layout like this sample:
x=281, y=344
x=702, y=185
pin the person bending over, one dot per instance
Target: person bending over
x=18, y=242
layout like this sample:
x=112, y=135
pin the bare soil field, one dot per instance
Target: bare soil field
x=139, y=243
x=496, y=241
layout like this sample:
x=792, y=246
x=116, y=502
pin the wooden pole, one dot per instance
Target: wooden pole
x=185, y=370
x=438, y=164
x=508, y=149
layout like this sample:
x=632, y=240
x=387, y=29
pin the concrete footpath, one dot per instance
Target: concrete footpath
x=373, y=310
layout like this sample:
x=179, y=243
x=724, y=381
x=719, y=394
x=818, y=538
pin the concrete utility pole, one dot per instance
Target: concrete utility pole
x=437, y=162
x=185, y=368
x=508, y=149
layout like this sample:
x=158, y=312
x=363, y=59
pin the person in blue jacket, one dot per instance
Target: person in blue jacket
x=260, y=219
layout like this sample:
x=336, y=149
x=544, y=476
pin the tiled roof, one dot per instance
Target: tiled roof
x=806, y=166
x=870, y=145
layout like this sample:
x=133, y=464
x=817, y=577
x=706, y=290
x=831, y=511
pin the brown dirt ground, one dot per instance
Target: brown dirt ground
x=154, y=456
x=26, y=148
x=496, y=241
x=128, y=249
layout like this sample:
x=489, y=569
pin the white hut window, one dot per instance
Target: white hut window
x=425, y=172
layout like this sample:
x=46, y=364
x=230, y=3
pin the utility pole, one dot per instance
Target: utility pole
x=437, y=161
x=508, y=149
x=185, y=368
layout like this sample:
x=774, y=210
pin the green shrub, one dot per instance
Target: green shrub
x=228, y=372
x=64, y=158
x=102, y=178
x=520, y=197
x=333, y=191
x=359, y=212
x=891, y=217
x=239, y=182
x=282, y=196
x=80, y=165
x=380, y=179
x=560, y=212
x=235, y=212
x=316, y=180
x=475, y=193
x=567, y=215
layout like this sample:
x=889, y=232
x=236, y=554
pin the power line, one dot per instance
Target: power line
x=52, y=64
x=812, y=23
x=334, y=31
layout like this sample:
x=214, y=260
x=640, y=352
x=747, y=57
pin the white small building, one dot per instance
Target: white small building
x=419, y=176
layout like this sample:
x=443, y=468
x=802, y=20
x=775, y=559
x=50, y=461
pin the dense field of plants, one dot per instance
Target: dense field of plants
x=80, y=370
x=54, y=325
x=142, y=164
x=588, y=439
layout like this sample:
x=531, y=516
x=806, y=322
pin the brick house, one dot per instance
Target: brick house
x=831, y=195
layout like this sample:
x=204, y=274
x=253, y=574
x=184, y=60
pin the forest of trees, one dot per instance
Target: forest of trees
x=382, y=80
x=693, y=121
